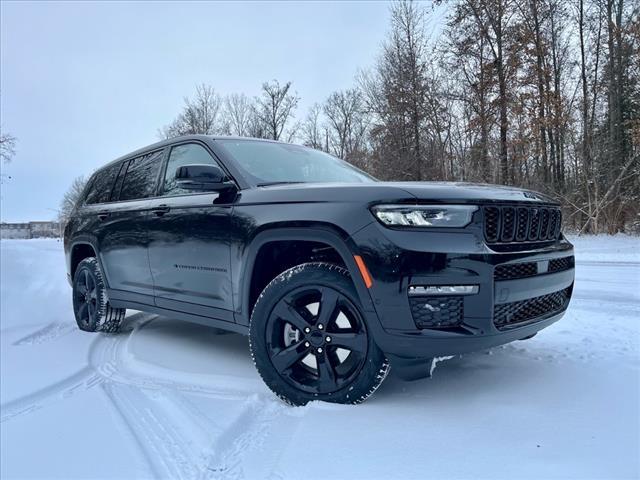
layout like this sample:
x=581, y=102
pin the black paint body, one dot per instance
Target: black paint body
x=192, y=256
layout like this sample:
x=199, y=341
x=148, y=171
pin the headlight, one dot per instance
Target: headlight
x=424, y=215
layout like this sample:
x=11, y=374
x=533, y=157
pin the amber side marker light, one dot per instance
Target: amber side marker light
x=363, y=271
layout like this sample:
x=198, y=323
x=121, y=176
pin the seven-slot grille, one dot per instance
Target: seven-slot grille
x=508, y=224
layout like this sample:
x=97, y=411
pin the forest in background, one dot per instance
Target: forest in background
x=542, y=94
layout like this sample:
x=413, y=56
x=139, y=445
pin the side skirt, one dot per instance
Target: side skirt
x=187, y=317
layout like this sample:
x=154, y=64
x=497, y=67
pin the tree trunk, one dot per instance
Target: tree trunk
x=586, y=134
x=541, y=95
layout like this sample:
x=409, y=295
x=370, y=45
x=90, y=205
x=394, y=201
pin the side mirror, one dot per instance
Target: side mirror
x=208, y=178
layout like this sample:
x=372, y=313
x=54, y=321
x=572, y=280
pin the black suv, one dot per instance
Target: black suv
x=333, y=275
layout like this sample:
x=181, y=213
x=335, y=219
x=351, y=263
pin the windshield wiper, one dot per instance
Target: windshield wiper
x=268, y=184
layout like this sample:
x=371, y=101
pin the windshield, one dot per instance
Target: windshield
x=267, y=163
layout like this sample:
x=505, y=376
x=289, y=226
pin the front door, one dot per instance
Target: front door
x=189, y=251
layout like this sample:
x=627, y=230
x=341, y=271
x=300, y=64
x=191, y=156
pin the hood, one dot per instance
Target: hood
x=460, y=191
x=457, y=192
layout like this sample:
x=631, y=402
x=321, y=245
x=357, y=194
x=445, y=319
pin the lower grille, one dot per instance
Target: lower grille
x=516, y=270
x=437, y=312
x=509, y=315
x=511, y=271
x=561, y=264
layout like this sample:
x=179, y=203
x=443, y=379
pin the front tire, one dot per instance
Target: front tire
x=309, y=340
x=90, y=304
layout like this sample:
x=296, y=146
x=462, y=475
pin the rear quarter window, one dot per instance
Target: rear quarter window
x=101, y=185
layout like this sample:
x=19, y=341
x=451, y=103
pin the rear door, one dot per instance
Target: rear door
x=124, y=239
x=96, y=210
x=189, y=249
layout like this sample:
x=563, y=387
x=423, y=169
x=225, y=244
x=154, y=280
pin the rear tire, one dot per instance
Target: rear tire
x=90, y=304
x=309, y=339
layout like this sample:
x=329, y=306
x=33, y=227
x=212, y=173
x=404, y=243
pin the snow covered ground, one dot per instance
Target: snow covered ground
x=174, y=400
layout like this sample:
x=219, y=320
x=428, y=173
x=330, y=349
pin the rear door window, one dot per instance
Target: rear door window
x=102, y=184
x=115, y=192
x=141, y=176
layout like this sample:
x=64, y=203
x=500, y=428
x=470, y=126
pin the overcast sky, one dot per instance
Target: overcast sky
x=83, y=83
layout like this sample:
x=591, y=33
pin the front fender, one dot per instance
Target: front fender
x=243, y=270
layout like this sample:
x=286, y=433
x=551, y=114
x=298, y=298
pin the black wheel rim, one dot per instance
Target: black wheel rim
x=85, y=298
x=316, y=339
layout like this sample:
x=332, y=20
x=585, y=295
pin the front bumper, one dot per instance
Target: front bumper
x=398, y=259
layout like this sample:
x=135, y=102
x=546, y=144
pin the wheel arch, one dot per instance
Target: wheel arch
x=79, y=250
x=315, y=234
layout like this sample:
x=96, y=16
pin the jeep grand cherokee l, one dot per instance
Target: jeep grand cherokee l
x=333, y=275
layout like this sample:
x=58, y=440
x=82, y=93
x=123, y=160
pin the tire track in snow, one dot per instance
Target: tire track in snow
x=221, y=458
x=87, y=377
x=167, y=442
x=46, y=334
x=249, y=432
x=131, y=432
x=164, y=443
x=110, y=359
x=83, y=380
x=165, y=449
x=227, y=451
x=103, y=366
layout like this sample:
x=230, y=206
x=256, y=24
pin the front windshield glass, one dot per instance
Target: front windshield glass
x=268, y=162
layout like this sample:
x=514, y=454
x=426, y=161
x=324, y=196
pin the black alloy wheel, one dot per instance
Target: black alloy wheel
x=91, y=306
x=309, y=339
x=317, y=340
x=85, y=299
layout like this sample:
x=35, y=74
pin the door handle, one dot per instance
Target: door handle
x=160, y=210
x=103, y=214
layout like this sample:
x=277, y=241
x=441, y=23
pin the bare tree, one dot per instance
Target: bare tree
x=238, y=112
x=347, y=124
x=200, y=115
x=395, y=94
x=7, y=147
x=70, y=199
x=275, y=108
x=492, y=18
x=314, y=133
x=468, y=54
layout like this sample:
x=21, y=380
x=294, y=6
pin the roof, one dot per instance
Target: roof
x=172, y=140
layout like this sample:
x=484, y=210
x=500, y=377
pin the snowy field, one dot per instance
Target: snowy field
x=174, y=400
